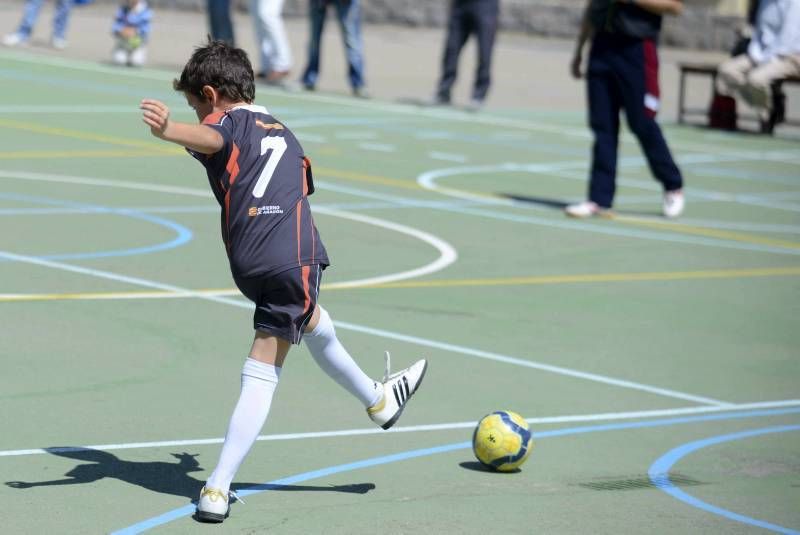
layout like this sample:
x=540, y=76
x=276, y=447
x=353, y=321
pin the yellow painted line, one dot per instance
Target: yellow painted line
x=599, y=277
x=362, y=177
x=90, y=296
x=65, y=154
x=393, y=182
x=712, y=233
x=445, y=283
x=86, y=136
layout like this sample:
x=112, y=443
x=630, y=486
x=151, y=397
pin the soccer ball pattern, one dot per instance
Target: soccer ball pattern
x=502, y=441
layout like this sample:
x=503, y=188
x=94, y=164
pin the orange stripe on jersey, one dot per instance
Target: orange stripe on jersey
x=299, y=212
x=233, y=171
x=233, y=165
x=213, y=118
x=306, y=270
x=305, y=177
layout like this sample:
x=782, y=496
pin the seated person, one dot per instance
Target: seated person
x=773, y=53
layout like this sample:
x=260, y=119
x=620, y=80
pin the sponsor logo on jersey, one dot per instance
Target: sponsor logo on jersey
x=264, y=210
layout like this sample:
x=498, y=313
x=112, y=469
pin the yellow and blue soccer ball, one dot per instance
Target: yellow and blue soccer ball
x=502, y=441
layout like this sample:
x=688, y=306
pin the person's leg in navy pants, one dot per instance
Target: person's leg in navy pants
x=638, y=68
x=316, y=16
x=485, y=15
x=458, y=30
x=219, y=18
x=604, y=107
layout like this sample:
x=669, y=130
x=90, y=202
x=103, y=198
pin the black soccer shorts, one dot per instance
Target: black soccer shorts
x=284, y=301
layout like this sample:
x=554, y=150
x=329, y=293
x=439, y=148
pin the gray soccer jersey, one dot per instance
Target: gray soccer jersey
x=262, y=180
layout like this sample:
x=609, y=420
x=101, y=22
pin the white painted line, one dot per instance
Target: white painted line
x=354, y=327
x=447, y=253
x=497, y=357
x=448, y=157
x=403, y=109
x=310, y=138
x=81, y=109
x=378, y=147
x=575, y=418
x=356, y=134
x=375, y=332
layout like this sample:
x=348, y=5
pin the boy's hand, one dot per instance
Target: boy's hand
x=156, y=116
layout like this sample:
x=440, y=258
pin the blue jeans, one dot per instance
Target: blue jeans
x=349, y=14
x=31, y=13
x=219, y=19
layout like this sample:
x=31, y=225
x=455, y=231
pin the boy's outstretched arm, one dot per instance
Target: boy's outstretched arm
x=197, y=137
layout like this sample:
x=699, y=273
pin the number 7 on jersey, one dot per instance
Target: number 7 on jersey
x=278, y=146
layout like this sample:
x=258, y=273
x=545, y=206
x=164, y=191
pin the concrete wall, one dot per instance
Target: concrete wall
x=705, y=24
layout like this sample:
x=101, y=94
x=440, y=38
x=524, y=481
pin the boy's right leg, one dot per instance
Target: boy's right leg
x=333, y=358
x=384, y=401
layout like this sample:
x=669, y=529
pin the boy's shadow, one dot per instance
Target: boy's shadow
x=163, y=477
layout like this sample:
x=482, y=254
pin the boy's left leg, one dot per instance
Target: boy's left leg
x=260, y=376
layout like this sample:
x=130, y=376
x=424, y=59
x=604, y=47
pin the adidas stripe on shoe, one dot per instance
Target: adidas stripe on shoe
x=397, y=390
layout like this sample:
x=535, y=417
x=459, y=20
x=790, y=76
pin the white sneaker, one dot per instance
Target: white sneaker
x=59, y=43
x=673, y=203
x=474, y=105
x=397, y=390
x=15, y=39
x=585, y=209
x=213, y=505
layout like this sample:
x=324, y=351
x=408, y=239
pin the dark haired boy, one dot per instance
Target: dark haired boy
x=261, y=179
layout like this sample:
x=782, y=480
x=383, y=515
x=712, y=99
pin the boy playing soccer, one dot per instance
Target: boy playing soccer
x=261, y=179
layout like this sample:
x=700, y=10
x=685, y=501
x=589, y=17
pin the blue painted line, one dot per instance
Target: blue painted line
x=659, y=475
x=183, y=234
x=188, y=510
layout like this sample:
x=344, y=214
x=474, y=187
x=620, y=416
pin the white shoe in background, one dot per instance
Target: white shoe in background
x=585, y=209
x=674, y=203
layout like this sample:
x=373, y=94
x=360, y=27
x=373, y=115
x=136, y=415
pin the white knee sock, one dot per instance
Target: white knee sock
x=334, y=359
x=258, y=385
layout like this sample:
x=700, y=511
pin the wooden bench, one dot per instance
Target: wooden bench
x=710, y=70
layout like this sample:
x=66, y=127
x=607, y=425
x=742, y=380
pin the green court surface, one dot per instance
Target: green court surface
x=656, y=360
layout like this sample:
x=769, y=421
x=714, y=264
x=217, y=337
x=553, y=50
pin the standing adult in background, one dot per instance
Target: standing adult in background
x=273, y=46
x=468, y=17
x=623, y=74
x=349, y=14
x=773, y=53
x=219, y=20
x=30, y=13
